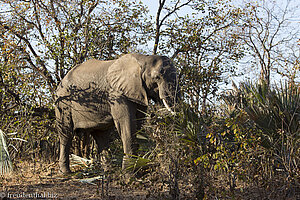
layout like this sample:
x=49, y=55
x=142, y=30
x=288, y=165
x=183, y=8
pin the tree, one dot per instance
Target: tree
x=160, y=20
x=270, y=36
x=53, y=35
x=41, y=40
x=204, y=44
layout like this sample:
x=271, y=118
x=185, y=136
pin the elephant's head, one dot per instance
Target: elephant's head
x=140, y=77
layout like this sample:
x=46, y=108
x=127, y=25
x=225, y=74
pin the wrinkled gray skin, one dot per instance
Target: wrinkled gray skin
x=98, y=95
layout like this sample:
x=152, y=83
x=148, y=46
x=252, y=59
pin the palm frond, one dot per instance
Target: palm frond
x=5, y=160
x=137, y=162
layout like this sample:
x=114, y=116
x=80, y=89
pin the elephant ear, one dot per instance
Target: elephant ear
x=125, y=77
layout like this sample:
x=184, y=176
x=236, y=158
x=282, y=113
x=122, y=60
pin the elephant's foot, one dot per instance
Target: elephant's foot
x=65, y=170
x=128, y=177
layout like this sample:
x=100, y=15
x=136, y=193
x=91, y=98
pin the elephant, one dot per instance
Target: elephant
x=97, y=97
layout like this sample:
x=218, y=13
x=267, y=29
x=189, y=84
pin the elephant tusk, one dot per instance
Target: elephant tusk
x=167, y=107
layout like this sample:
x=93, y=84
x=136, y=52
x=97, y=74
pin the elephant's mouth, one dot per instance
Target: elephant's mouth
x=165, y=95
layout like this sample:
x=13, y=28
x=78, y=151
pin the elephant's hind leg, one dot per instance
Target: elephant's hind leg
x=64, y=162
x=65, y=130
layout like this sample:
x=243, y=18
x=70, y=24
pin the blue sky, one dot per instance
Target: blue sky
x=153, y=6
x=294, y=19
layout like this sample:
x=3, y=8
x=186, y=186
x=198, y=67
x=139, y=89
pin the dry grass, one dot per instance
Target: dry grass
x=44, y=180
x=38, y=179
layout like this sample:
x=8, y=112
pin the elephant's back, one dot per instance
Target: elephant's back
x=92, y=66
x=92, y=72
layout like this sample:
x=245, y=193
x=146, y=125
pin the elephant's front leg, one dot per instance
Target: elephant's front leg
x=124, y=115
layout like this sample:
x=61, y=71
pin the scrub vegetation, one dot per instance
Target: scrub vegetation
x=236, y=131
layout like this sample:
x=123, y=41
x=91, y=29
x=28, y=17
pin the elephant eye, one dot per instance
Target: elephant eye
x=162, y=71
x=156, y=75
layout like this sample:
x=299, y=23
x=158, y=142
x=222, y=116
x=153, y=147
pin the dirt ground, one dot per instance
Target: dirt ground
x=43, y=181
x=67, y=189
x=35, y=181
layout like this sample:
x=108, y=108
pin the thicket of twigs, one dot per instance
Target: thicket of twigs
x=246, y=146
x=219, y=144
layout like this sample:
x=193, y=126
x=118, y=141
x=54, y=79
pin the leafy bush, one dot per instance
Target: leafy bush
x=251, y=140
x=270, y=129
x=277, y=113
